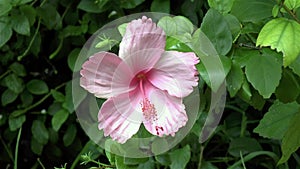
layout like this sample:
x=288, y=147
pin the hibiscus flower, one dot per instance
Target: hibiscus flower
x=144, y=84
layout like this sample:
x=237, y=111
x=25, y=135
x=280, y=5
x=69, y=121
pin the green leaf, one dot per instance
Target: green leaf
x=176, y=26
x=5, y=7
x=72, y=58
x=243, y=145
x=20, y=24
x=177, y=45
x=168, y=25
x=50, y=17
x=29, y=12
x=58, y=96
x=209, y=57
x=5, y=30
x=36, y=147
x=59, y=118
x=180, y=157
x=235, y=79
x=160, y=6
x=122, y=28
x=37, y=87
x=8, y=96
x=18, y=69
x=163, y=159
x=134, y=161
x=226, y=62
x=264, y=73
x=252, y=11
x=70, y=135
x=121, y=165
x=292, y=4
x=223, y=6
x=215, y=27
x=288, y=89
x=129, y=4
x=14, y=83
x=234, y=25
x=291, y=139
x=281, y=34
x=16, y=122
x=74, y=95
x=92, y=7
x=276, y=121
x=40, y=132
x=183, y=25
x=26, y=98
x=295, y=66
x=147, y=165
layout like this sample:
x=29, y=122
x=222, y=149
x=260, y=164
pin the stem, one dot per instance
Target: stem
x=7, y=150
x=37, y=103
x=39, y=161
x=201, y=157
x=17, y=149
x=4, y=74
x=31, y=42
x=289, y=11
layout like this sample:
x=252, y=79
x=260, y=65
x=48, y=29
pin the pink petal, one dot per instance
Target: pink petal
x=120, y=116
x=176, y=73
x=141, y=34
x=143, y=60
x=171, y=115
x=99, y=74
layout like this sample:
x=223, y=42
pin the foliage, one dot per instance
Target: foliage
x=256, y=41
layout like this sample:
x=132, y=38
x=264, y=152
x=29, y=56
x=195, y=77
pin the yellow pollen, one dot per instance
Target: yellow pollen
x=141, y=76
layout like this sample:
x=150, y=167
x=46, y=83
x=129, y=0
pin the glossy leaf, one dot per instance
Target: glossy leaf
x=180, y=157
x=37, y=87
x=215, y=27
x=176, y=26
x=91, y=6
x=18, y=69
x=70, y=135
x=295, y=66
x=14, y=83
x=291, y=139
x=289, y=88
x=16, y=122
x=29, y=12
x=58, y=96
x=275, y=122
x=72, y=58
x=20, y=24
x=36, y=147
x=264, y=73
x=5, y=30
x=8, y=96
x=243, y=145
x=221, y=6
x=281, y=34
x=252, y=11
x=292, y=4
x=235, y=79
x=5, y=7
x=40, y=132
x=59, y=118
x=160, y=6
x=129, y=4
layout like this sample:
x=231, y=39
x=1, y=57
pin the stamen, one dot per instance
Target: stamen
x=148, y=110
x=158, y=128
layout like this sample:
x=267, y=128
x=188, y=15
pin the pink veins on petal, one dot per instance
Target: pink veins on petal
x=144, y=84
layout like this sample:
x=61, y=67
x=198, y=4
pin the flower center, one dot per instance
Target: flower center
x=148, y=109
